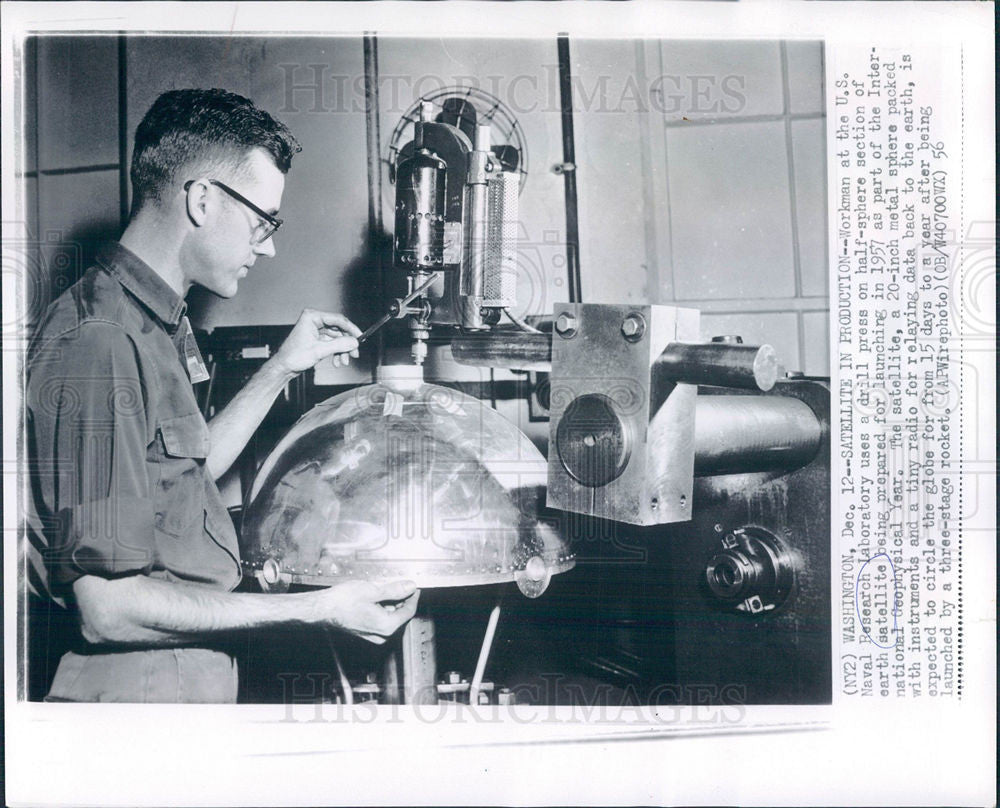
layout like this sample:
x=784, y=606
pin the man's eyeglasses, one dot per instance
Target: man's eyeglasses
x=265, y=229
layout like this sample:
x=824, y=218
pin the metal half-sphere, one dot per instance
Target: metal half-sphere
x=415, y=481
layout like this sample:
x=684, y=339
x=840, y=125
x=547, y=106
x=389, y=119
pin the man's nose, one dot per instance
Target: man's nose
x=265, y=248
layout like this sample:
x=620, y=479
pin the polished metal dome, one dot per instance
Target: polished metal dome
x=402, y=479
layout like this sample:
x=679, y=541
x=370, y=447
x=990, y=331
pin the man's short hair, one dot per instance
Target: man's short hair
x=201, y=129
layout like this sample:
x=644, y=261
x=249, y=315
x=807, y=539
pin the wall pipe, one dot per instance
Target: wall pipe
x=569, y=172
x=372, y=141
x=123, y=133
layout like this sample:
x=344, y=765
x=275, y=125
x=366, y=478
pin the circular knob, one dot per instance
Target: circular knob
x=270, y=578
x=535, y=568
x=270, y=571
x=534, y=579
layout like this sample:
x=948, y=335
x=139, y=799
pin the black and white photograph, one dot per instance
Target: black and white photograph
x=526, y=400
x=472, y=399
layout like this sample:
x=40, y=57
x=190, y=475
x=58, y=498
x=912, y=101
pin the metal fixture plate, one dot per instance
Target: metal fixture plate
x=597, y=356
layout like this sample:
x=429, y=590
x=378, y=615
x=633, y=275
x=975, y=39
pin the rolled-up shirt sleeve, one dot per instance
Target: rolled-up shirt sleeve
x=87, y=423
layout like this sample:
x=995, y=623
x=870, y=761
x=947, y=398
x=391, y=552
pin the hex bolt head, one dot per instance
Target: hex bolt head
x=566, y=325
x=633, y=327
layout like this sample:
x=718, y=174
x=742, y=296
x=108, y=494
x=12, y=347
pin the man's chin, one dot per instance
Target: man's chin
x=225, y=294
x=227, y=291
x=232, y=287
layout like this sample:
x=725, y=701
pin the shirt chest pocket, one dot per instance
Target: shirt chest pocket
x=182, y=446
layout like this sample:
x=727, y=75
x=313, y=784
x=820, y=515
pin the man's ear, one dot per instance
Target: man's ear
x=197, y=201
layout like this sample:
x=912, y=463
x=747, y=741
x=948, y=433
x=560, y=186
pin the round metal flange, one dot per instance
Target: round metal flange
x=593, y=441
x=753, y=573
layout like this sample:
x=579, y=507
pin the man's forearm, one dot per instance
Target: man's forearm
x=138, y=610
x=231, y=429
x=315, y=336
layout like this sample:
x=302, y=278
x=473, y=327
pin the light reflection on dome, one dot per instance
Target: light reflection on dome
x=410, y=481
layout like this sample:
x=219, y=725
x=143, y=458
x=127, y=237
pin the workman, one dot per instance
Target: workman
x=128, y=527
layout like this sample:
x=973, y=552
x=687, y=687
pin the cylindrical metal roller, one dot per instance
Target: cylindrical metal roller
x=482, y=143
x=474, y=259
x=420, y=199
x=720, y=365
x=741, y=434
x=520, y=350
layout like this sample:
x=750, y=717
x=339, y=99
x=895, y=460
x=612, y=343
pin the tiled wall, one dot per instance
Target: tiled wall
x=321, y=249
x=703, y=183
x=71, y=178
x=700, y=168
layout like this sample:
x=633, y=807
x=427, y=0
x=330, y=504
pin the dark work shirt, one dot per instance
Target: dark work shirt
x=116, y=441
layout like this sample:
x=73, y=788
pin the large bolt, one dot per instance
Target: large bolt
x=633, y=327
x=566, y=325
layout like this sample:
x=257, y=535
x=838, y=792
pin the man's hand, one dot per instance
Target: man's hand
x=371, y=611
x=317, y=335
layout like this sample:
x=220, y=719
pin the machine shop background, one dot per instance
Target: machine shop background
x=722, y=211
x=684, y=197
